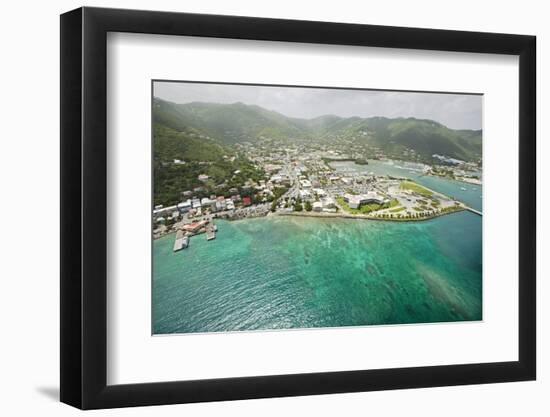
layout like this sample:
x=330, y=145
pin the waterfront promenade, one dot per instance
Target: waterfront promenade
x=368, y=217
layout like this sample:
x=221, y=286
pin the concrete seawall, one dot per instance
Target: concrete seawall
x=363, y=217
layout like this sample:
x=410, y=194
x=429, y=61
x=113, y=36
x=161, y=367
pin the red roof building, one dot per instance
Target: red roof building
x=194, y=227
x=247, y=201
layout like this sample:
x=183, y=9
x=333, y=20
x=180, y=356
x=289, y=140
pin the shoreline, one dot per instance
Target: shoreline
x=365, y=217
x=464, y=180
x=342, y=216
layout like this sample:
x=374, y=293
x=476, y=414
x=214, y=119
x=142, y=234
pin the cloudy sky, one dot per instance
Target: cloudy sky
x=457, y=111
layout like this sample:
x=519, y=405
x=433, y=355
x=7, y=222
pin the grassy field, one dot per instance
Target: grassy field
x=416, y=188
x=397, y=209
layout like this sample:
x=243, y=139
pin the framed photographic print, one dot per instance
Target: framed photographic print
x=258, y=207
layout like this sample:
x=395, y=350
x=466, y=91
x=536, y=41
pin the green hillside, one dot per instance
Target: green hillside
x=426, y=137
x=186, y=145
x=198, y=155
x=229, y=124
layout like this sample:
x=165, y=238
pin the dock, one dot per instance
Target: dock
x=183, y=235
x=479, y=213
x=182, y=241
x=211, y=231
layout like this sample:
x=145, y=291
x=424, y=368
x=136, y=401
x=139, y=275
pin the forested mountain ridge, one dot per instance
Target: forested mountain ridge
x=229, y=124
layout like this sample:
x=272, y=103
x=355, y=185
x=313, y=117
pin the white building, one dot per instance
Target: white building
x=317, y=206
x=220, y=203
x=329, y=202
x=320, y=192
x=163, y=211
x=305, y=183
x=184, y=206
x=305, y=194
x=207, y=202
x=356, y=201
x=374, y=197
x=276, y=178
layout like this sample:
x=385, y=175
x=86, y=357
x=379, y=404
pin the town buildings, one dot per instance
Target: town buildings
x=355, y=201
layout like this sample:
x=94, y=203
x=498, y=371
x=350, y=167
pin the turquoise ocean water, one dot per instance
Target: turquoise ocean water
x=287, y=272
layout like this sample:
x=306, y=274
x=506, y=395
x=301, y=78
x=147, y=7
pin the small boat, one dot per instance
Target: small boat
x=463, y=189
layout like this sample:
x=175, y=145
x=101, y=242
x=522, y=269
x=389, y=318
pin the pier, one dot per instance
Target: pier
x=182, y=241
x=210, y=231
x=184, y=234
x=479, y=213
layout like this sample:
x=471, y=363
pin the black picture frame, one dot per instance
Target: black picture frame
x=84, y=207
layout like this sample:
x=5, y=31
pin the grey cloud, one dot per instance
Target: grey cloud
x=457, y=111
